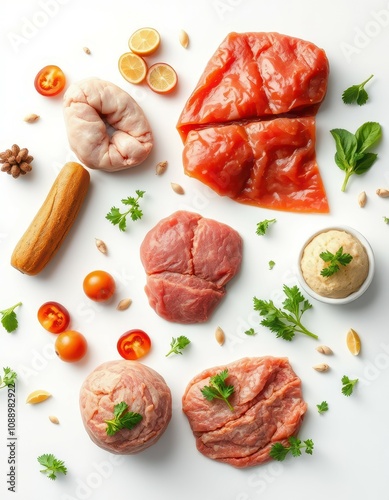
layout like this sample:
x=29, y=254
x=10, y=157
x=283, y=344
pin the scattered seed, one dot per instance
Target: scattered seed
x=177, y=188
x=353, y=342
x=53, y=419
x=362, y=198
x=383, y=193
x=101, y=246
x=322, y=367
x=31, y=118
x=124, y=304
x=184, y=38
x=161, y=167
x=323, y=349
x=219, y=336
x=87, y=50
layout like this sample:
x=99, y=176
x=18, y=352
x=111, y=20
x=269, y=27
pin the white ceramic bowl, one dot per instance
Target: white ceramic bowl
x=365, y=285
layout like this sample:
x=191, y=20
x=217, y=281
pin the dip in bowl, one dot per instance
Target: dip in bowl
x=347, y=283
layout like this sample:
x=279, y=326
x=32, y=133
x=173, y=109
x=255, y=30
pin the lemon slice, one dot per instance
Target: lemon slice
x=132, y=67
x=144, y=41
x=37, y=396
x=353, y=342
x=161, y=78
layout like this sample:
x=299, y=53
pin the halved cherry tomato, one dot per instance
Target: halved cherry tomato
x=99, y=286
x=71, y=346
x=134, y=344
x=50, y=81
x=54, y=317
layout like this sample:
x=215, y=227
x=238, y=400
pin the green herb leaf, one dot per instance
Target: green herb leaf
x=386, y=220
x=334, y=261
x=263, y=226
x=118, y=218
x=322, y=407
x=271, y=264
x=356, y=93
x=218, y=389
x=123, y=419
x=351, y=150
x=9, y=319
x=8, y=379
x=285, y=325
x=52, y=465
x=178, y=344
x=251, y=332
x=278, y=451
x=348, y=385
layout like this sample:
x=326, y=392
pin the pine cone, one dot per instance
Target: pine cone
x=16, y=161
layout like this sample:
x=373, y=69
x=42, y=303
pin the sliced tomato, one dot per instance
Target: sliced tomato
x=134, y=344
x=54, y=317
x=50, y=81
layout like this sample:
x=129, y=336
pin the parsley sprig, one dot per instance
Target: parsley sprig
x=352, y=155
x=322, y=407
x=348, y=385
x=278, y=451
x=8, y=378
x=178, y=344
x=356, y=93
x=9, y=319
x=122, y=419
x=285, y=323
x=52, y=465
x=263, y=226
x=334, y=261
x=118, y=218
x=218, y=389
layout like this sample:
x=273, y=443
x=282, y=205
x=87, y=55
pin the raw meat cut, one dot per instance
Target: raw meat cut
x=142, y=388
x=189, y=259
x=252, y=80
x=268, y=407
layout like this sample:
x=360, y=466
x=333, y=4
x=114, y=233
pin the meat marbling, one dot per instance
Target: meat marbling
x=268, y=408
x=188, y=260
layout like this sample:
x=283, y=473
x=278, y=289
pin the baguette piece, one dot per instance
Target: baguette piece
x=53, y=221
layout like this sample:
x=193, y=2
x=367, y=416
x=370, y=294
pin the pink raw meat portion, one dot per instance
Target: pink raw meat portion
x=188, y=260
x=268, y=407
x=145, y=392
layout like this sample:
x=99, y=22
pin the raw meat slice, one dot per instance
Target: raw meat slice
x=145, y=392
x=188, y=260
x=268, y=407
x=249, y=125
x=273, y=163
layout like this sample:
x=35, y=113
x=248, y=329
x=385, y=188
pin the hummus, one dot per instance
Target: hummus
x=349, y=278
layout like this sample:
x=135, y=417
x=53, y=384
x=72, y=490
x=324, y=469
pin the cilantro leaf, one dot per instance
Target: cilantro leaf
x=178, y=344
x=9, y=319
x=251, y=332
x=278, y=451
x=386, y=219
x=8, y=379
x=322, y=407
x=356, y=93
x=271, y=264
x=123, y=419
x=334, y=261
x=279, y=321
x=218, y=389
x=263, y=226
x=117, y=218
x=348, y=385
x=351, y=149
x=52, y=465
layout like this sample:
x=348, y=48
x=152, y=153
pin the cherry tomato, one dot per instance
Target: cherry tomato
x=54, y=317
x=134, y=344
x=99, y=286
x=71, y=346
x=50, y=81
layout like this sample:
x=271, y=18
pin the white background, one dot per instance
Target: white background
x=351, y=453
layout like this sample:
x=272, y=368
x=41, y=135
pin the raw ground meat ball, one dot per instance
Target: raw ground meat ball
x=268, y=408
x=188, y=260
x=144, y=391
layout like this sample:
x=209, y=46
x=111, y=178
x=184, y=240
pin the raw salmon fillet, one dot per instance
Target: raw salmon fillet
x=231, y=142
